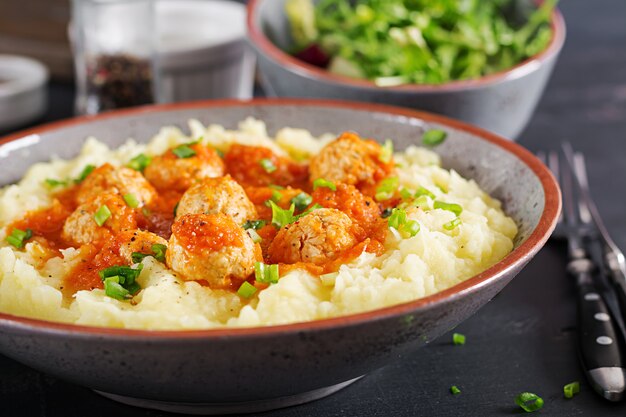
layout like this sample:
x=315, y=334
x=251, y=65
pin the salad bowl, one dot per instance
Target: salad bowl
x=502, y=102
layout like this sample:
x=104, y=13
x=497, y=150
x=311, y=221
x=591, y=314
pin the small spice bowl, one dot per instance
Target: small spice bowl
x=23, y=95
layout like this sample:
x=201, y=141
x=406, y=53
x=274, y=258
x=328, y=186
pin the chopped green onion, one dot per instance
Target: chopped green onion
x=302, y=201
x=137, y=257
x=102, y=215
x=386, y=213
x=321, y=182
x=405, y=194
x=387, y=188
x=119, y=281
x=113, y=288
x=219, y=152
x=267, y=165
x=423, y=191
x=266, y=273
x=328, y=280
x=246, y=290
x=386, y=152
x=126, y=274
x=571, y=389
x=421, y=201
x=529, y=402
x=276, y=187
x=398, y=221
x=434, y=137
x=455, y=390
x=51, y=182
x=183, y=151
x=276, y=197
x=176, y=208
x=458, y=338
x=310, y=209
x=281, y=217
x=454, y=208
x=254, y=235
x=84, y=173
x=452, y=224
x=140, y=162
x=18, y=237
x=131, y=200
x=159, y=250
x=145, y=211
x=254, y=224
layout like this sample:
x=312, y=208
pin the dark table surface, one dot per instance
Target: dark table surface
x=523, y=340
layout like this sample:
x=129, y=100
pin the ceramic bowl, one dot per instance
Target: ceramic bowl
x=502, y=102
x=254, y=369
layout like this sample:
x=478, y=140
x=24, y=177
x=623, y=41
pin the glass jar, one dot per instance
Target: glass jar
x=114, y=47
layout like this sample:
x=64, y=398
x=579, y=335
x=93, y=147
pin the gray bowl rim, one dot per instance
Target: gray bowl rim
x=512, y=262
x=293, y=64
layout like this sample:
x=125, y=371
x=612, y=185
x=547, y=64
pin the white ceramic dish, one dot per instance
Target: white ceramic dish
x=23, y=95
x=203, y=51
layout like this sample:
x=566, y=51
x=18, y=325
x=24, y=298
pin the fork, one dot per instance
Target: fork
x=600, y=344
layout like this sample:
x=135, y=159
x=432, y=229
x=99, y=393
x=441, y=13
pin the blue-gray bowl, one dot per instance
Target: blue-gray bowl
x=502, y=102
x=254, y=369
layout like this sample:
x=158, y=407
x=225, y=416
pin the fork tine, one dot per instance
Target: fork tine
x=580, y=170
x=567, y=187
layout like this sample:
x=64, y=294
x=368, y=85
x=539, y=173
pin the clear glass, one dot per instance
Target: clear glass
x=114, y=47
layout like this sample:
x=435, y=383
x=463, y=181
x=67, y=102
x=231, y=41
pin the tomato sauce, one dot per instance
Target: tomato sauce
x=259, y=171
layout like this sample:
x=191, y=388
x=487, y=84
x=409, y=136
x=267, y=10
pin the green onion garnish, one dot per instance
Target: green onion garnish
x=529, y=402
x=254, y=224
x=276, y=196
x=455, y=390
x=458, y=338
x=266, y=273
x=246, y=290
x=281, y=217
x=405, y=194
x=18, y=237
x=102, y=215
x=51, y=182
x=321, y=182
x=571, y=389
x=140, y=162
x=137, y=257
x=452, y=224
x=131, y=200
x=454, y=208
x=159, y=250
x=267, y=165
x=433, y=137
x=176, y=208
x=302, y=201
x=387, y=188
x=183, y=151
x=84, y=173
x=386, y=152
x=423, y=191
x=276, y=187
x=119, y=281
x=256, y=238
x=113, y=288
x=398, y=221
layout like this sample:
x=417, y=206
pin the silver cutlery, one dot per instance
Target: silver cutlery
x=600, y=342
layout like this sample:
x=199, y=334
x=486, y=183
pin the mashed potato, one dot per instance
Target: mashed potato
x=410, y=268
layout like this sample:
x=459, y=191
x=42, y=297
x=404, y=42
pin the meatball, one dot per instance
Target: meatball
x=122, y=180
x=362, y=209
x=318, y=237
x=140, y=241
x=82, y=228
x=211, y=247
x=175, y=172
x=218, y=195
x=351, y=160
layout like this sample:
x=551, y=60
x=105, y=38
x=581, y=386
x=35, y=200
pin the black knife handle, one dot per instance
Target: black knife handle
x=601, y=345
